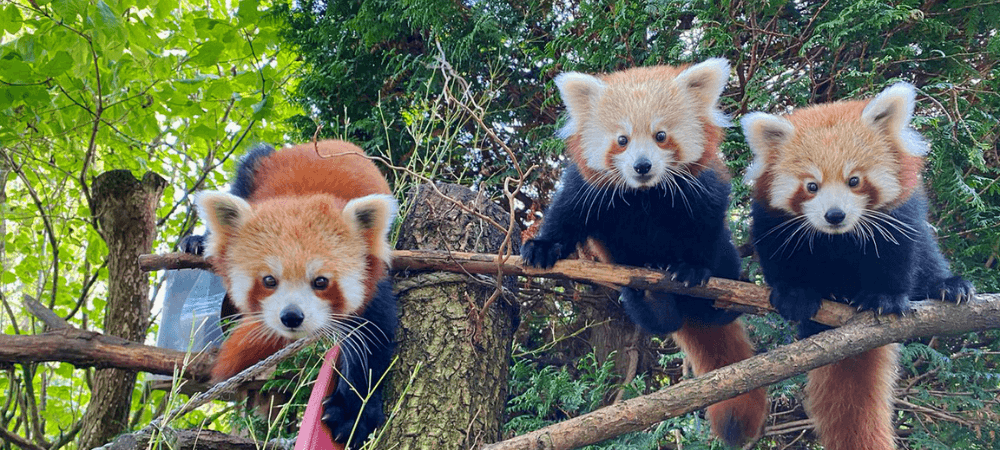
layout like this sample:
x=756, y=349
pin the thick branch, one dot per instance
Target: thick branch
x=864, y=333
x=89, y=349
x=730, y=294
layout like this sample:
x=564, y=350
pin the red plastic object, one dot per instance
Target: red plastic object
x=313, y=434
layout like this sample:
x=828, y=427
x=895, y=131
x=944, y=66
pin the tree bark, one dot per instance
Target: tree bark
x=450, y=376
x=125, y=210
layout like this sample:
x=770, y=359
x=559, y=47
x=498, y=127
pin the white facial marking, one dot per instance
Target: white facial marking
x=830, y=197
x=783, y=188
x=239, y=289
x=315, y=310
x=352, y=288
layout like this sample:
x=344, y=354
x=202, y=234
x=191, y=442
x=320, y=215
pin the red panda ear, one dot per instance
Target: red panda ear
x=765, y=133
x=580, y=92
x=704, y=82
x=223, y=213
x=371, y=216
x=891, y=112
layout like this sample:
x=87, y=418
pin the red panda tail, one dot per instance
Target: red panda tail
x=851, y=401
x=248, y=344
x=709, y=347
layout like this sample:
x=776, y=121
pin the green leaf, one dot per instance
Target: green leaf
x=247, y=12
x=10, y=18
x=109, y=30
x=207, y=53
x=56, y=66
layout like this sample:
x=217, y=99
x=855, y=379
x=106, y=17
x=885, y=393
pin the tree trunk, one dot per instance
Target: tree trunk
x=125, y=209
x=450, y=379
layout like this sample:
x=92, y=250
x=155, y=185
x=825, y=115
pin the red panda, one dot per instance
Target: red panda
x=839, y=212
x=302, y=247
x=644, y=182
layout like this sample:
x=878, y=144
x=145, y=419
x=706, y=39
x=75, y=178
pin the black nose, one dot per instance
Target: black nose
x=292, y=316
x=642, y=166
x=834, y=216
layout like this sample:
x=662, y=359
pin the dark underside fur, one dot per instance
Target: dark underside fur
x=654, y=228
x=882, y=275
x=365, y=353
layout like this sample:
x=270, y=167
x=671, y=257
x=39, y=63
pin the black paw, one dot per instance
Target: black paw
x=955, y=289
x=348, y=418
x=883, y=304
x=193, y=244
x=541, y=253
x=796, y=304
x=690, y=275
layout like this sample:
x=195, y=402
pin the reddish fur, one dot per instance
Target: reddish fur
x=820, y=125
x=321, y=178
x=851, y=401
x=712, y=347
x=710, y=158
x=660, y=75
x=237, y=353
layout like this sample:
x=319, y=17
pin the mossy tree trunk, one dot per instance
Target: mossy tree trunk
x=450, y=379
x=125, y=208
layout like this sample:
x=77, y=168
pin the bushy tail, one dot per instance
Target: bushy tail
x=710, y=347
x=249, y=343
x=851, y=401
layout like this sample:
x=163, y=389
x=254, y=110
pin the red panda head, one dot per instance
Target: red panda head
x=641, y=127
x=298, y=263
x=838, y=165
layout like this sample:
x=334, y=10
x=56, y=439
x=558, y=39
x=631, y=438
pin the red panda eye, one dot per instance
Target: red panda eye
x=853, y=182
x=320, y=283
x=812, y=187
x=622, y=140
x=661, y=136
x=269, y=281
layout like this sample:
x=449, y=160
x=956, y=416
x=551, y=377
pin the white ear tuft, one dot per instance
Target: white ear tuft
x=764, y=133
x=372, y=217
x=891, y=111
x=580, y=93
x=705, y=82
x=223, y=214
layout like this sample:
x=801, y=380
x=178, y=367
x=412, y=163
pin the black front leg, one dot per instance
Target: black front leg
x=795, y=303
x=563, y=227
x=355, y=409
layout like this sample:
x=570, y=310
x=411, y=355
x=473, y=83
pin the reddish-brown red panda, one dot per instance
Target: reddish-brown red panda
x=645, y=182
x=302, y=246
x=839, y=212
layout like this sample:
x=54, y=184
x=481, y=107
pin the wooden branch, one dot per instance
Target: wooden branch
x=863, y=333
x=90, y=349
x=46, y=315
x=729, y=294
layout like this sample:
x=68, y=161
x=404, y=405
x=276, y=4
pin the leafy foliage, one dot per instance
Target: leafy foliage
x=87, y=86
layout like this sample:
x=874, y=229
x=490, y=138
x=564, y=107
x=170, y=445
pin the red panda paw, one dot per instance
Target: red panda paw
x=883, y=304
x=541, y=253
x=955, y=289
x=690, y=274
x=795, y=304
x=350, y=419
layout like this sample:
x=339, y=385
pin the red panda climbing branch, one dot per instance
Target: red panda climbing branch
x=302, y=246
